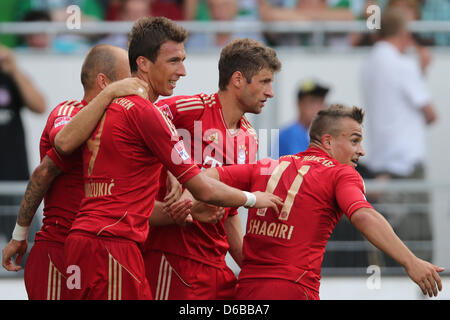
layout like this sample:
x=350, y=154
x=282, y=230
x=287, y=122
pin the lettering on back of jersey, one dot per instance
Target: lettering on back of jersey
x=127, y=104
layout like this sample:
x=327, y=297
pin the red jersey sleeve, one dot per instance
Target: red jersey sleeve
x=59, y=117
x=64, y=163
x=350, y=191
x=162, y=139
x=238, y=176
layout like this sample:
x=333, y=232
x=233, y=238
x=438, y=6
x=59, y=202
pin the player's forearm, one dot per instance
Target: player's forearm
x=40, y=181
x=380, y=233
x=80, y=127
x=159, y=217
x=212, y=191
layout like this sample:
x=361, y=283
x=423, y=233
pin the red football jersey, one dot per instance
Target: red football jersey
x=62, y=200
x=122, y=162
x=199, y=120
x=317, y=190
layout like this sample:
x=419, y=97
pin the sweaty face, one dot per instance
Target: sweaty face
x=346, y=146
x=167, y=69
x=255, y=94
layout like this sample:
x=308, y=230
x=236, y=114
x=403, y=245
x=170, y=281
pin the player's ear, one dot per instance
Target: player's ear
x=327, y=141
x=237, y=79
x=102, y=81
x=143, y=64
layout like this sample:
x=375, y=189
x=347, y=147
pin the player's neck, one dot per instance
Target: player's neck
x=90, y=95
x=152, y=95
x=313, y=144
x=232, y=114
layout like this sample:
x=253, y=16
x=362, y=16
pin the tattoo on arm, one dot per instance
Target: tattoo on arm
x=38, y=185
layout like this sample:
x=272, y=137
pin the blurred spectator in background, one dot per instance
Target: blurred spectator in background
x=91, y=10
x=173, y=9
x=412, y=11
x=127, y=10
x=220, y=10
x=302, y=10
x=397, y=101
x=399, y=109
x=38, y=41
x=16, y=91
x=369, y=38
x=310, y=100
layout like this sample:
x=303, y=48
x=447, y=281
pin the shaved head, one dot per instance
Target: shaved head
x=107, y=59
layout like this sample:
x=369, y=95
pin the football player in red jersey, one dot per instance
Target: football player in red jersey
x=283, y=252
x=122, y=161
x=58, y=180
x=188, y=262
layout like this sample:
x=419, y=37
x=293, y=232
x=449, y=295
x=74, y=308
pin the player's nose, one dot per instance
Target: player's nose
x=269, y=91
x=181, y=70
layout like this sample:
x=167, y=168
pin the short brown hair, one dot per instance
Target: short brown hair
x=327, y=120
x=149, y=34
x=247, y=56
x=100, y=59
x=393, y=21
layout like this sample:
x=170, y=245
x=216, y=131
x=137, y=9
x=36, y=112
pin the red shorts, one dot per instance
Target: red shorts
x=45, y=272
x=273, y=289
x=107, y=268
x=173, y=277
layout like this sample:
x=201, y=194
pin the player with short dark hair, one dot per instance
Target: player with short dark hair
x=122, y=163
x=58, y=179
x=217, y=133
x=283, y=252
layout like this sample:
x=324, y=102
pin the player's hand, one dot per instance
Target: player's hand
x=180, y=211
x=426, y=276
x=128, y=87
x=14, y=247
x=174, y=190
x=207, y=213
x=267, y=200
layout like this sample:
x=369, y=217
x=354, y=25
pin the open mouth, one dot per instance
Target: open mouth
x=355, y=162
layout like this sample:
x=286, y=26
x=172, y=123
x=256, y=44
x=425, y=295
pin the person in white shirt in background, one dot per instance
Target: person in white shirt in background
x=399, y=110
x=398, y=103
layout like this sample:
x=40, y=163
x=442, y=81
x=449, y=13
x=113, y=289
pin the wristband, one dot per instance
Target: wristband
x=20, y=233
x=251, y=199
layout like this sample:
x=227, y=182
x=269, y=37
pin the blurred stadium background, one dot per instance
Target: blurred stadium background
x=324, y=50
